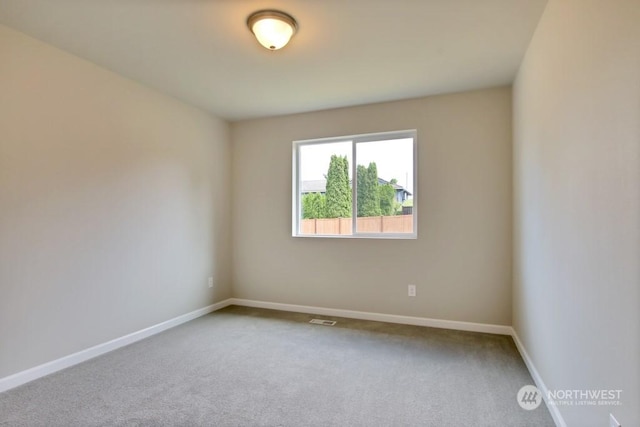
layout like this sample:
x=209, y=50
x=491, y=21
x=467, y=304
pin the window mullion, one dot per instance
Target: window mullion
x=354, y=189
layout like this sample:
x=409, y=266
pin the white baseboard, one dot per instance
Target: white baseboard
x=40, y=371
x=378, y=317
x=553, y=409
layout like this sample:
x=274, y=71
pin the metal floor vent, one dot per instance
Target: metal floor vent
x=323, y=322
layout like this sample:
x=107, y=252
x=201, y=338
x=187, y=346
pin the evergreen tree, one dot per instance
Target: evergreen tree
x=387, y=199
x=314, y=205
x=368, y=201
x=338, y=191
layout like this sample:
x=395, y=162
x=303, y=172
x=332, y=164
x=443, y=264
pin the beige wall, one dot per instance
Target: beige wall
x=577, y=203
x=114, y=205
x=461, y=261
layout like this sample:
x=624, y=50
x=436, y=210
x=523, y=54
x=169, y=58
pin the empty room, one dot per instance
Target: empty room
x=320, y=213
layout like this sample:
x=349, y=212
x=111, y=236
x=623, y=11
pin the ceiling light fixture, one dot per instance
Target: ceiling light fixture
x=272, y=28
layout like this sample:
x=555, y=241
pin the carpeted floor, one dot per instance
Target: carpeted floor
x=252, y=367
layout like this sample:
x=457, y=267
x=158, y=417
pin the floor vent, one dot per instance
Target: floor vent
x=323, y=322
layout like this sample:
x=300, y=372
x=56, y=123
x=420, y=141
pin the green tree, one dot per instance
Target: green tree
x=368, y=201
x=338, y=193
x=314, y=205
x=387, y=199
x=397, y=205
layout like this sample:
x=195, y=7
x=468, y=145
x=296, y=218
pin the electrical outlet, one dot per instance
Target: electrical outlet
x=412, y=290
x=211, y=282
x=613, y=422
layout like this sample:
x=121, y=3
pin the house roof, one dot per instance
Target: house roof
x=314, y=186
x=395, y=186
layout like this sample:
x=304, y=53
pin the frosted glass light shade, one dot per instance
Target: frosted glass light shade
x=272, y=28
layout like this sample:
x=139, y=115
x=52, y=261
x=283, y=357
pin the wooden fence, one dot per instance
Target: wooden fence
x=369, y=224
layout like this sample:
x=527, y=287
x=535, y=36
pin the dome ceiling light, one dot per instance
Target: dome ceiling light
x=272, y=28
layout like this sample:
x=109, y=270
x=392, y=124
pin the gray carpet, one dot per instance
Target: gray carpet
x=252, y=367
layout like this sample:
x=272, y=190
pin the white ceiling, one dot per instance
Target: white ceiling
x=346, y=52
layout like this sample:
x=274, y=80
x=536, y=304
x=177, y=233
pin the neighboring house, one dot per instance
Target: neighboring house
x=320, y=186
x=407, y=207
x=314, y=186
x=401, y=193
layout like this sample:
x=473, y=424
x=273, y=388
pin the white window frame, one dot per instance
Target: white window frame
x=355, y=139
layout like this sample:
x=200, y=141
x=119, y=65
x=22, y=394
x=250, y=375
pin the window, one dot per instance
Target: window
x=379, y=203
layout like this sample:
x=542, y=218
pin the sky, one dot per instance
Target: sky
x=393, y=158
